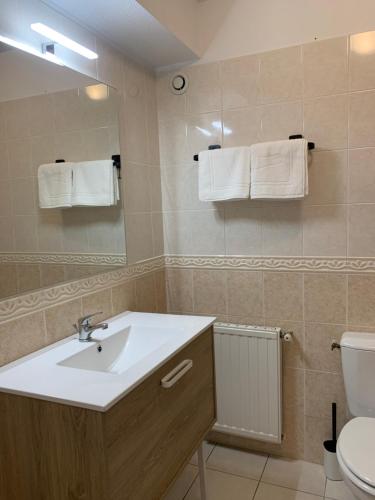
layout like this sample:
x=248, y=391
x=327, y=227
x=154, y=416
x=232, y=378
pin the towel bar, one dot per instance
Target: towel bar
x=310, y=145
x=116, y=163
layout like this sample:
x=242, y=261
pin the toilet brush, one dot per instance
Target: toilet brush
x=331, y=465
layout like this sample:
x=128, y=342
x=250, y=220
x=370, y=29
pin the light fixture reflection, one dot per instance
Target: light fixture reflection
x=30, y=50
x=363, y=43
x=226, y=130
x=98, y=92
x=204, y=131
x=63, y=40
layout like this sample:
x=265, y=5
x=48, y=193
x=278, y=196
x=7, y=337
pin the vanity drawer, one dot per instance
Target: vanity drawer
x=151, y=432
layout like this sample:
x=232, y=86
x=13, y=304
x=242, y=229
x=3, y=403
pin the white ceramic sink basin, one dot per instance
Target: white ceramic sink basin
x=76, y=373
x=119, y=351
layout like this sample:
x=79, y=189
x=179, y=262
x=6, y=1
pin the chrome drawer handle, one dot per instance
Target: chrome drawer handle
x=169, y=380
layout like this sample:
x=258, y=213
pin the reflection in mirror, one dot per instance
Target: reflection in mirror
x=69, y=222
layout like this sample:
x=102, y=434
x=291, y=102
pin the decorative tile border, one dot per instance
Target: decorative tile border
x=63, y=258
x=335, y=264
x=41, y=299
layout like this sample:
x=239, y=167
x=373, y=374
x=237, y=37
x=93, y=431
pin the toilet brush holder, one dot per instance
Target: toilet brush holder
x=331, y=465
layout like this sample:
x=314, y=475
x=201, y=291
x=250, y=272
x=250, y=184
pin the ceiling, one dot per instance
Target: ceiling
x=129, y=27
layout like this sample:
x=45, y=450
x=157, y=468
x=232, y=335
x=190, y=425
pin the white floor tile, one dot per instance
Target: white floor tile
x=295, y=474
x=271, y=492
x=338, y=490
x=237, y=462
x=207, y=449
x=183, y=483
x=221, y=486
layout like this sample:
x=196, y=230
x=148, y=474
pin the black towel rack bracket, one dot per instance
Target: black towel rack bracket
x=310, y=145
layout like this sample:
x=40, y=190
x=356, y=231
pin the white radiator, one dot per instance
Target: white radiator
x=248, y=381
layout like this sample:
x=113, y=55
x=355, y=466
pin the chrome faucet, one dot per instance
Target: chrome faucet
x=85, y=329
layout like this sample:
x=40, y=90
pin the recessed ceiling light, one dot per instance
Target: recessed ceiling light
x=63, y=40
x=31, y=50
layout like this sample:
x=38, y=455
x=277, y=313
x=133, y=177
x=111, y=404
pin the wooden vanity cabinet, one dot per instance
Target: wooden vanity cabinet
x=135, y=450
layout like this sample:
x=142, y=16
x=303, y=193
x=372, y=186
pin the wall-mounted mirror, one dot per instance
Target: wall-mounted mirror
x=50, y=113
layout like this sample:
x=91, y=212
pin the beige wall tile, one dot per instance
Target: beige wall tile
x=326, y=121
x=361, y=62
x=325, y=298
x=25, y=233
x=361, y=300
x=7, y=240
x=281, y=75
x=60, y=319
x=361, y=176
x=209, y=292
x=123, y=297
x=361, y=119
x=281, y=120
x=179, y=290
x=21, y=337
x=20, y=159
x=51, y=274
x=8, y=280
x=207, y=231
x=202, y=130
x=245, y=293
x=173, y=141
x=325, y=230
x=318, y=353
x=243, y=230
x=5, y=198
x=321, y=389
x=204, y=93
x=325, y=65
x=283, y=296
x=282, y=229
x=361, y=231
x=327, y=178
x=28, y=277
x=145, y=293
x=17, y=118
x=157, y=234
x=139, y=237
x=137, y=188
x=241, y=127
x=177, y=233
x=240, y=82
x=98, y=302
x=161, y=292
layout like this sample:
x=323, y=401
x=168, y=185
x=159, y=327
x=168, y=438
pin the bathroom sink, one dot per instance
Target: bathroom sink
x=99, y=373
x=118, y=351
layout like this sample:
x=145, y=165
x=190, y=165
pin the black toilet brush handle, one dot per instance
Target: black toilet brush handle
x=334, y=422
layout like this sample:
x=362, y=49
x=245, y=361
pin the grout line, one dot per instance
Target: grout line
x=264, y=468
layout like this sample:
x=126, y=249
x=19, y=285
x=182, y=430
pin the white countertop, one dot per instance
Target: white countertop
x=40, y=376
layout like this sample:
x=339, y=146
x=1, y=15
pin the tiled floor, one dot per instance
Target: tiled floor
x=238, y=475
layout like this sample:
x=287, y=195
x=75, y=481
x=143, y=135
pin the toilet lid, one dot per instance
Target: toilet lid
x=357, y=448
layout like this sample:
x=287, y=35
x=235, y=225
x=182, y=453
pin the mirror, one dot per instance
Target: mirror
x=49, y=113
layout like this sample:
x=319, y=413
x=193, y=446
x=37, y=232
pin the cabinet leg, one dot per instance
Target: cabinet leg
x=202, y=473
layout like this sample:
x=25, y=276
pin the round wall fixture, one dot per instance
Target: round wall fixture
x=179, y=83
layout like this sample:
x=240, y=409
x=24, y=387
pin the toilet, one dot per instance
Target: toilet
x=356, y=443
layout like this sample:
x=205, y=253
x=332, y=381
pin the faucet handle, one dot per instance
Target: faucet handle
x=85, y=319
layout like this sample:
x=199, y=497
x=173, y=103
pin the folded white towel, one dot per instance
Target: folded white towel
x=95, y=183
x=224, y=174
x=279, y=169
x=55, y=185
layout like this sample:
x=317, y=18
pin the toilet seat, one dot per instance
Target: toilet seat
x=356, y=452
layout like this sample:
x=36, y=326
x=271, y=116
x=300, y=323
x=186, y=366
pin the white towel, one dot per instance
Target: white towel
x=224, y=174
x=55, y=185
x=95, y=183
x=279, y=169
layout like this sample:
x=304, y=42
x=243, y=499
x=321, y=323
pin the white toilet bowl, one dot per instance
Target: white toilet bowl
x=356, y=456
